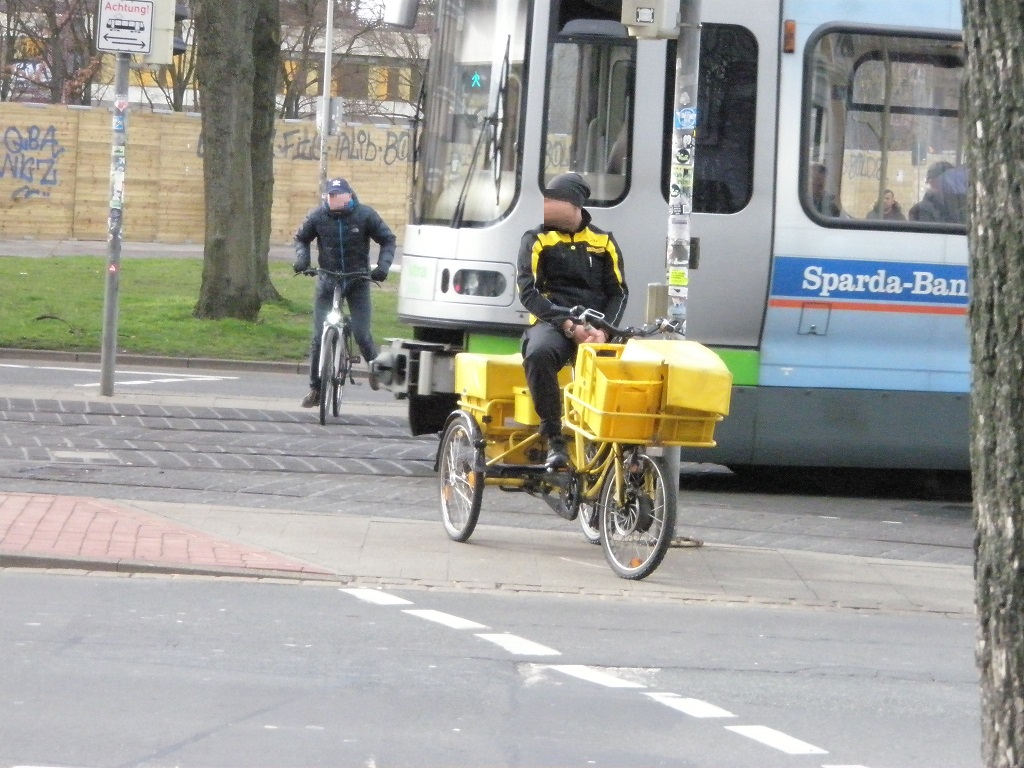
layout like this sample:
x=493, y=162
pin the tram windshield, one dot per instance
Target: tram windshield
x=469, y=134
x=884, y=137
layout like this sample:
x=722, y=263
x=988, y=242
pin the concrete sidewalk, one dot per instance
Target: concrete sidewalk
x=45, y=531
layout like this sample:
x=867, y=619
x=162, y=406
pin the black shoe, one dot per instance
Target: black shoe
x=312, y=400
x=557, y=457
x=372, y=377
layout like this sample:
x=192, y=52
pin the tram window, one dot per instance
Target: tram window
x=467, y=143
x=588, y=114
x=727, y=99
x=883, y=132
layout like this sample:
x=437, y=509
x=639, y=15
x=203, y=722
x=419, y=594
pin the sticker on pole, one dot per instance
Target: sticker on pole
x=125, y=26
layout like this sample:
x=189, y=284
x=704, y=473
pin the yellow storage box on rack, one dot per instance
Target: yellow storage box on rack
x=697, y=391
x=668, y=392
x=488, y=377
x=480, y=379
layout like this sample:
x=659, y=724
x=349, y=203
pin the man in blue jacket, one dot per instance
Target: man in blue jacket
x=343, y=228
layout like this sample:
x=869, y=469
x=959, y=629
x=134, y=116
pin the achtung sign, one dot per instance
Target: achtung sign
x=125, y=26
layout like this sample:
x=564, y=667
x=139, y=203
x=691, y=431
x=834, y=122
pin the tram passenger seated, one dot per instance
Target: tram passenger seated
x=822, y=201
x=887, y=209
x=564, y=262
x=953, y=186
x=946, y=197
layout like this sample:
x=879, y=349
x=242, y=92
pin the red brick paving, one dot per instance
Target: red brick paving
x=91, y=530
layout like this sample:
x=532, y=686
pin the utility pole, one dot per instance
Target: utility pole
x=662, y=19
x=682, y=249
x=115, y=220
x=325, y=101
x=679, y=20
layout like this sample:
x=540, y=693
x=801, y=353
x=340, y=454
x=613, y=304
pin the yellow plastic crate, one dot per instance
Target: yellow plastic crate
x=693, y=428
x=616, y=399
x=599, y=362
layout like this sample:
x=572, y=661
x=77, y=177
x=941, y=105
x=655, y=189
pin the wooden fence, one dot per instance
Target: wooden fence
x=55, y=176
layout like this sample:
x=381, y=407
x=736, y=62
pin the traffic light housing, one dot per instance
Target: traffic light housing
x=167, y=15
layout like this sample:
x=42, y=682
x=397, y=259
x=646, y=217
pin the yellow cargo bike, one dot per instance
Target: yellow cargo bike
x=624, y=402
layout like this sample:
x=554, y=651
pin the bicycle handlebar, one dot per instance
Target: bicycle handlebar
x=596, y=319
x=313, y=272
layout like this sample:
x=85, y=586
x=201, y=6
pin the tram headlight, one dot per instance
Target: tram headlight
x=479, y=282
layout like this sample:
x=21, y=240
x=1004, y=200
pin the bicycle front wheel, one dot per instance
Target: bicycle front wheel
x=637, y=523
x=342, y=367
x=462, y=482
x=328, y=381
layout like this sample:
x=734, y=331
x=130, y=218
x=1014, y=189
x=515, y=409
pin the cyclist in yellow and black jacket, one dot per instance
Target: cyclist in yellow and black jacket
x=564, y=263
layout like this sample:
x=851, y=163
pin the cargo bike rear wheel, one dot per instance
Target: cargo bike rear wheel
x=461, y=472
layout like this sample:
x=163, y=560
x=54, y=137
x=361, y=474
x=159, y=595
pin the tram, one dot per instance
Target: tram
x=843, y=321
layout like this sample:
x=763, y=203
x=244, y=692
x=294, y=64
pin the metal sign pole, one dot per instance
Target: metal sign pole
x=108, y=352
x=325, y=102
x=684, y=151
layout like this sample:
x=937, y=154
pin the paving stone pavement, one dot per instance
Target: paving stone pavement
x=73, y=532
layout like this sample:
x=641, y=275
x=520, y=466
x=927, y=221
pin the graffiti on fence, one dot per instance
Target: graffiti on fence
x=31, y=157
x=351, y=144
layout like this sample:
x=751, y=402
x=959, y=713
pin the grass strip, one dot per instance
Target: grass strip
x=56, y=304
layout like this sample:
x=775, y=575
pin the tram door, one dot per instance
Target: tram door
x=734, y=176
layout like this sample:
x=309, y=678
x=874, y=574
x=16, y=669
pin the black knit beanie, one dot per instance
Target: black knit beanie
x=569, y=187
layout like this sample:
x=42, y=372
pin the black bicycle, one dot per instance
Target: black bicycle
x=338, y=354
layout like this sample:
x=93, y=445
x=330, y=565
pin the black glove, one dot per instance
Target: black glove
x=379, y=274
x=297, y=267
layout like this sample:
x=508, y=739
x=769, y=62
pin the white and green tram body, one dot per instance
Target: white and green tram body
x=846, y=333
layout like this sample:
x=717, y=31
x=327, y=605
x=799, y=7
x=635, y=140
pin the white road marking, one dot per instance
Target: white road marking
x=691, y=707
x=523, y=647
x=49, y=368
x=156, y=377
x=189, y=379
x=455, y=622
x=519, y=645
x=83, y=455
x=777, y=739
x=592, y=675
x=199, y=376
x=376, y=597
x=130, y=383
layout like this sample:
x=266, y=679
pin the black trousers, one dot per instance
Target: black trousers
x=545, y=352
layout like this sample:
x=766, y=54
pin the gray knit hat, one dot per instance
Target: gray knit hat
x=569, y=187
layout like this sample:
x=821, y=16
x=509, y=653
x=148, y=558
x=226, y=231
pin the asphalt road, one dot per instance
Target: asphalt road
x=139, y=672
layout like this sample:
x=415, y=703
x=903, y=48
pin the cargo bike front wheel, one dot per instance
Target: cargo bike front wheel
x=637, y=514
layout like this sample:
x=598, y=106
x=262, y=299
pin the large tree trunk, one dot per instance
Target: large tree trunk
x=266, y=49
x=994, y=35
x=224, y=46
